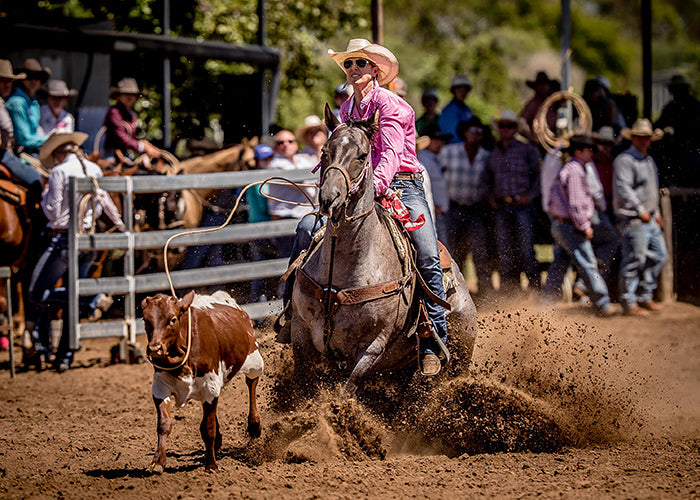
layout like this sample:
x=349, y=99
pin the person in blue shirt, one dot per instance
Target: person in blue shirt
x=24, y=107
x=456, y=110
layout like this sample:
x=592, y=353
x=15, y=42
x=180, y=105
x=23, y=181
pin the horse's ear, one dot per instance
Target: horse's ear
x=329, y=118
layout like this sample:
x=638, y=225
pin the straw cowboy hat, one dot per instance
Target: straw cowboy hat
x=381, y=56
x=7, y=72
x=508, y=115
x=56, y=140
x=125, y=86
x=642, y=128
x=32, y=68
x=58, y=88
x=310, y=122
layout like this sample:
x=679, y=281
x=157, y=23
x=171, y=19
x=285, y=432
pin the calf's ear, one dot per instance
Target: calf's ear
x=186, y=301
x=144, y=303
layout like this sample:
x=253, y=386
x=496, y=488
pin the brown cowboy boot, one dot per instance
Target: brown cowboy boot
x=283, y=326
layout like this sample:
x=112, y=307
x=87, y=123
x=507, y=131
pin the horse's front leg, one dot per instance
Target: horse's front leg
x=165, y=425
x=364, y=365
x=209, y=429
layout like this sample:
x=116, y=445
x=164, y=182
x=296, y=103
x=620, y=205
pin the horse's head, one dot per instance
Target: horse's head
x=346, y=165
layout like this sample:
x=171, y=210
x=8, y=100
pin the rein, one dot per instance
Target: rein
x=187, y=352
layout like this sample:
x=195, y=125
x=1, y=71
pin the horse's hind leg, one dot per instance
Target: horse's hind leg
x=254, y=425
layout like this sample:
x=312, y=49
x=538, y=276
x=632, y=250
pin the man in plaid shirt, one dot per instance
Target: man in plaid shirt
x=464, y=167
x=572, y=207
x=513, y=179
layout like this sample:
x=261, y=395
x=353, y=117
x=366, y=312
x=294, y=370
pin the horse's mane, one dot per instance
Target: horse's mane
x=368, y=127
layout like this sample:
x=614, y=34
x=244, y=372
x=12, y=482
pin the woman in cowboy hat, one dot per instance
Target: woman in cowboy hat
x=368, y=68
x=21, y=173
x=53, y=113
x=62, y=155
x=24, y=107
x=313, y=134
x=120, y=122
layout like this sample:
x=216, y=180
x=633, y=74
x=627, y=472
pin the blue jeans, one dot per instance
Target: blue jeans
x=466, y=232
x=25, y=174
x=424, y=241
x=570, y=246
x=643, y=256
x=515, y=241
x=606, y=244
x=52, y=266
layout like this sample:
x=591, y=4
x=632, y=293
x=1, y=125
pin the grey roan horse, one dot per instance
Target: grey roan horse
x=334, y=317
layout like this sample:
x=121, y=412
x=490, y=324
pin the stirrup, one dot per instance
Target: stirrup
x=282, y=326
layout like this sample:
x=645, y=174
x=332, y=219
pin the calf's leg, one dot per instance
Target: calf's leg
x=254, y=425
x=165, y=425
x=208, y=429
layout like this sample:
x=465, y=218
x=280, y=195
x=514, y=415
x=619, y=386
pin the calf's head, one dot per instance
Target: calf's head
x=165, y=321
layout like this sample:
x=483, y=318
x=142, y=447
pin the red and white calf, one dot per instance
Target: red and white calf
x=197, y=345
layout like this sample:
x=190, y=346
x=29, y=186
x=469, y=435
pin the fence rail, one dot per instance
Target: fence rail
x=130, y=284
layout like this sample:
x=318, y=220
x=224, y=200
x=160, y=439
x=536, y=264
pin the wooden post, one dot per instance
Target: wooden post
x=377, y=22
x=666, y=292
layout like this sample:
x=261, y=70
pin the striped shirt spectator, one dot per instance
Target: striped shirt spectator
x=465, y=179
x=514, y=171
x=571, y=197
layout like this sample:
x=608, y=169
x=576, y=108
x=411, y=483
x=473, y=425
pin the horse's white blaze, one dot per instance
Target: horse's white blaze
x=203, y=389
x=219, y=297
x=344, y=141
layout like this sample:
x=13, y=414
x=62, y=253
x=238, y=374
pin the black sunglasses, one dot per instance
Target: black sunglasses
x=361, y=63
x=289, y=141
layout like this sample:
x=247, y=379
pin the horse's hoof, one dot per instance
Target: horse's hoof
x=210, y=469
x=254, y=429
x=156, y=469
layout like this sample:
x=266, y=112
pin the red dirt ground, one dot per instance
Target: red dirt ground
x=617, y=401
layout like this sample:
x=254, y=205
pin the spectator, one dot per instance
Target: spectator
x=428, y=157
x=313, y=135
x=120, y=122
x=398, y=86
x=61, y=154
x=571, y=207
x=603, y=159
x=21, y=173
x=513, y=179
x=24, y=107
x=465, y=176
x=543, y=87
x=680, y=118
x=636, y=203
x=342, y=92
x=289, y=202
x=258, y=212
x=603, y=108
x=53, y=113
x=456, y=110
x=430, y=117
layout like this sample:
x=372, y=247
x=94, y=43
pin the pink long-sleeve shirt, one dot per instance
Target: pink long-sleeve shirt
x=394, y=145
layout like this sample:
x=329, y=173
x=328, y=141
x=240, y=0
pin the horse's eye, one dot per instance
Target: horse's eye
x=362, y=158
x=173, y=320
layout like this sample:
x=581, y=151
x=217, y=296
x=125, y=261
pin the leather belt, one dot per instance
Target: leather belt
x=408, y=176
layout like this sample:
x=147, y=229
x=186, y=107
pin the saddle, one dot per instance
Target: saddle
x=13, y=193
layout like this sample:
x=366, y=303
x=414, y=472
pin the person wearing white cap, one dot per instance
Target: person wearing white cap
x=456, y=110
x=636, y=203
x=53, y=114
x=21, y=173
x=61, y=154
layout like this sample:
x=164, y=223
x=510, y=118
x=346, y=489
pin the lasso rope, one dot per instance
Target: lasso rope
x=280, y=181
x=548, y=138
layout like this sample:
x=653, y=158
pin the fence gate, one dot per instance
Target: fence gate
x=130, y=284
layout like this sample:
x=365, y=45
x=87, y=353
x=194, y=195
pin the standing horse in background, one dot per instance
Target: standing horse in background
x=354, y=301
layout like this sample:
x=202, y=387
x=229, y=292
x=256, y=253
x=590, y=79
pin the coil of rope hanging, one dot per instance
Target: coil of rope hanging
x=582, y=120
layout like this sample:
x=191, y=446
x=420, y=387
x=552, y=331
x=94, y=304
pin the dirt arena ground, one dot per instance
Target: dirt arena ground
x=558, y=404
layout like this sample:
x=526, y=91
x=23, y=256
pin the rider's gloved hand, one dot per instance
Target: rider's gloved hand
x=391, y=201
